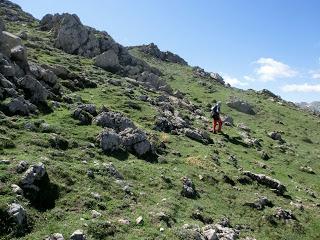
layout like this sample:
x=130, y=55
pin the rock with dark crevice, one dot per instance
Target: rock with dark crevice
x=136, y=141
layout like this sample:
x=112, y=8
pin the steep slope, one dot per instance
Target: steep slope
x=78, y=188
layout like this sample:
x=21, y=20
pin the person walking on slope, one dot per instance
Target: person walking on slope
x=215, y=112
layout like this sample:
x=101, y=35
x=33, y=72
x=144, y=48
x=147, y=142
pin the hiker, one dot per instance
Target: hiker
x=215, y=112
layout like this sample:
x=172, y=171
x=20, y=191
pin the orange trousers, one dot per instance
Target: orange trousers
x=215, y=122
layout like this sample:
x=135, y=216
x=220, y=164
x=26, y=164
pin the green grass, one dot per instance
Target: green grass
x=150, y=193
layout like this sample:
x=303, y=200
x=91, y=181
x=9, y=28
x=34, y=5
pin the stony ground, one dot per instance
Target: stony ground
x=124, y=151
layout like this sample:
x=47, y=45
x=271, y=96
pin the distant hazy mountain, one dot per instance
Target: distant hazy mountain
x=314, y=106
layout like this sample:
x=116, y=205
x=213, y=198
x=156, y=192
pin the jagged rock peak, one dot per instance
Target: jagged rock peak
x=153, y=50
x=12, y=12
x=74, y=38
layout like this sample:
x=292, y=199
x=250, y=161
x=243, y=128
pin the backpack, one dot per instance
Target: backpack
x=214, y=113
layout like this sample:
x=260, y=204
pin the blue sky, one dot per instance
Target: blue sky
x=253, y=44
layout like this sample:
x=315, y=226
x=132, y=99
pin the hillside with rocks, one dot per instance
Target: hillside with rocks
x=104, y=141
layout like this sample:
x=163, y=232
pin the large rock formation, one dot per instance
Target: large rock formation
x=200, y=72
x=241, y=106
x=24, y=85
x=120, y=133
x=13, y=12
x=167, y=56
x=73, y=37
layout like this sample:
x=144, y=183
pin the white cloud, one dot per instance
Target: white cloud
x=306, y=88
x=233, y=81
x=271, y=69
x=315, y=74
x=249, y=78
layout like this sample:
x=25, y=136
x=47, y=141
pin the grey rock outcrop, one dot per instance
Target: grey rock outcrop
x=260, y=204
x=85, y=113
x=13, y=12
x=217, y=78
x=20, y=106
x=32, y=176
x=37, y=188
x=22, y=166
x=153, y=81
x=188, y=188
x=198, y=135
x=18, y=213
x=228, y=120
x=112, y=171
x=169, y=123
x=8, y=42
x=167, y=56
x=109, y=140
x=284, y=214
x=208, y=232
x=19, y=54
x=108, y=60
x=113, y=120
x=268, y=93
x=241, y=106
x=267, y=181
x=33, y=88
x=73, y=37
x=136, y=141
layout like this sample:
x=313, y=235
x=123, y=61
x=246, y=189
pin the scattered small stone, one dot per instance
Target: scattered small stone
x=4, y=162
x=90, y=174
x=112, y=171
x=124, y=221
x=139, y=220
x=297, y=205
x=307, y=169
x=97, y=196
x=95, y=214
x=260, y=204
x=244, y=127
x=78, y=235
x=127, y=189
x=284, y=214
x=22, y=166
x=233, y=160
x=275, y=136
x=16, y=189
x=55, y=236
x=264, y=155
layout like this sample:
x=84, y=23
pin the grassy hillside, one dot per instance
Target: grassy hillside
x=155, y=188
